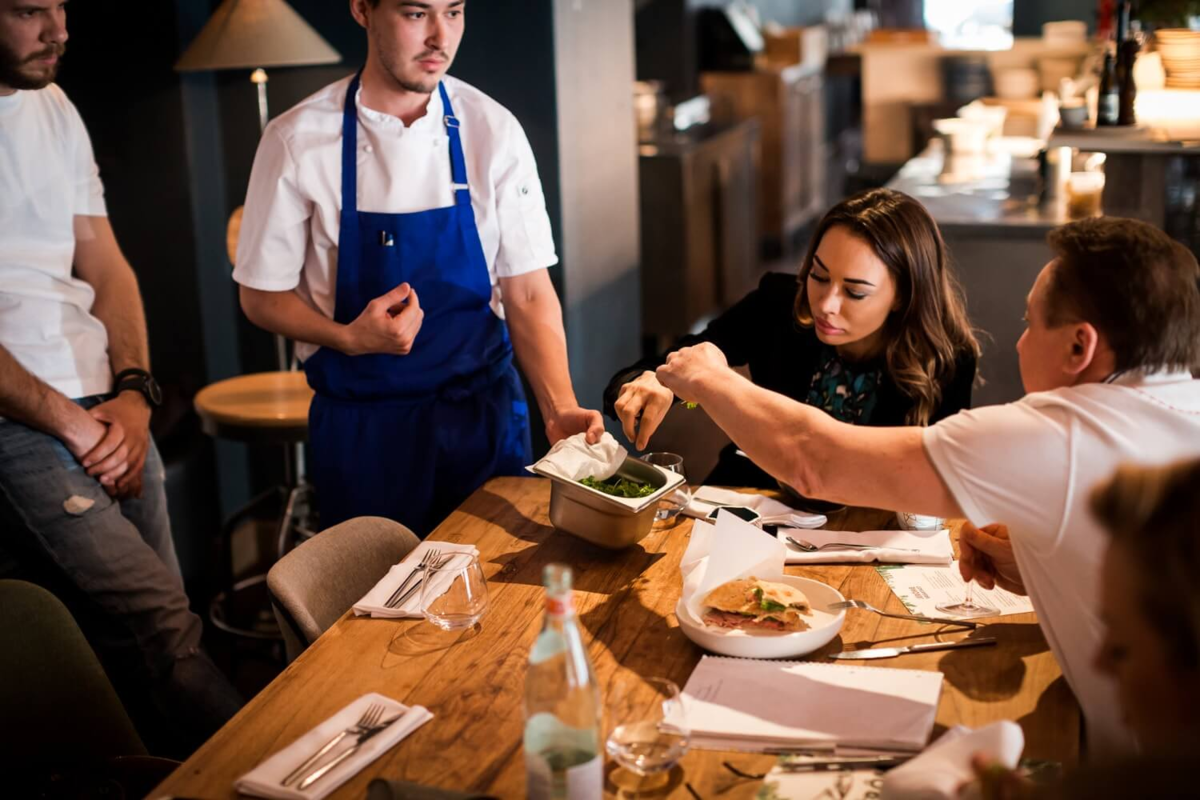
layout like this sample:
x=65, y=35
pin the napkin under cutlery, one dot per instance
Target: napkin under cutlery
x=707, y=498
x=265, y=780
x=374, y=602
x=894, y=547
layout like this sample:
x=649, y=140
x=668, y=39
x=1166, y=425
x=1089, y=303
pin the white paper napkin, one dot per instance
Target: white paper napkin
x=939, y=772
x=573, y=459
x=932, y=547
x=731, y=548
x=706, y=498
x=264, y=780
x=373, y=601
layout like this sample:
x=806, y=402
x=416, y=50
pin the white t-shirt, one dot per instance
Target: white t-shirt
x=48, y=175
x=289, y=235
x=1032, y=465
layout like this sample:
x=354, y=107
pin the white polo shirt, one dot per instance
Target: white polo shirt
x=48, y=176
x=289, y=236
x=1032, y=465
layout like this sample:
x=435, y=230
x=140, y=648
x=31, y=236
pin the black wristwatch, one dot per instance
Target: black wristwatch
x=138, y=380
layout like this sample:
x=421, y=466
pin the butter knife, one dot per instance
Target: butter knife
x=892, y=652
x=317, y=774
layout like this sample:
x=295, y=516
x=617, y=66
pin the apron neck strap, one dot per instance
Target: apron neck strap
x=458, y=162
x=350, y=155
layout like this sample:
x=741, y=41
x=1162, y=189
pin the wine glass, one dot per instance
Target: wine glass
x=675, y=502
x=454, y=594
x=967, y=607
x=647, y=728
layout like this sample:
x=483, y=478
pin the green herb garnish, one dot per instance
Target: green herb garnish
x=767, y=605
x=690, y=406
x=620, y=487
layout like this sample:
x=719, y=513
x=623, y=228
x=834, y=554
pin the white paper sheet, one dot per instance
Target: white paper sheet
x=731, y=548
x=923, y=587
x=790, y=703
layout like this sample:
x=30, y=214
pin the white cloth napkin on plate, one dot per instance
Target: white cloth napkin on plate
x=730, y=548
x=373, y=601
x=573, y=459
x=706, y=498
x=939, y=772
x=264, y=780
x=933, y=547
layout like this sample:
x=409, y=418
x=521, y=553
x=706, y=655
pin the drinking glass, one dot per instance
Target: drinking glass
x=454, y=596
x=647, y=728
x=967, y=607
x=670, y=505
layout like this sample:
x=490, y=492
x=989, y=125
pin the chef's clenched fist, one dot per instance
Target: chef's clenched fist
x=389, y=324
x=688, y=371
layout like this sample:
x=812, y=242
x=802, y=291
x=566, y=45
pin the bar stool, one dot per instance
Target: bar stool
x=263, y=408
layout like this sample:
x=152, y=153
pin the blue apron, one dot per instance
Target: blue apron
x=410, y=437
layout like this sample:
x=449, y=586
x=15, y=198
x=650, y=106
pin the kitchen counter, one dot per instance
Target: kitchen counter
x=978, y=194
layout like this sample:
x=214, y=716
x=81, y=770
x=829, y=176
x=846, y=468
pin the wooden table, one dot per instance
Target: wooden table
x=474, y=684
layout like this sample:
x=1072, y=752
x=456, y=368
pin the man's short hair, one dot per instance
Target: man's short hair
x=1134, y=283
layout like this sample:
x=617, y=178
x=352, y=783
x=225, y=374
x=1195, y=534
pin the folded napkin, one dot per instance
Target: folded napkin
x=264, y=780
x=373, y=601
x=706, y=498
x=731, y=548
x=573, y=459
x=933, y=547
x=942, y=770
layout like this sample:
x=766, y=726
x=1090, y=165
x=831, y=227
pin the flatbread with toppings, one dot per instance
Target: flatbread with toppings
x=753, y=604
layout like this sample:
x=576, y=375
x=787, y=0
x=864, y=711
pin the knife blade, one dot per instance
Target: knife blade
x=892, y=652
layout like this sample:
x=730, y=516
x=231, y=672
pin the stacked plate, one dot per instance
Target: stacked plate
x=1180, y=50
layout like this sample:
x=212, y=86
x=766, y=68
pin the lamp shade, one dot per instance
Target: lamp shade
x=247, y=34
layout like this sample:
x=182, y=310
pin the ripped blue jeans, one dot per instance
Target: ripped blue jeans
x=113, y=564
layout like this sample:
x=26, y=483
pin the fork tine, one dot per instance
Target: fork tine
x=376, y=711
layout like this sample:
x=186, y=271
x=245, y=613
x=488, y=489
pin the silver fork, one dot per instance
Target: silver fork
x=441, y=562
x=430, y=557
x=809, y=547
x=368, y=720
x=865, y=606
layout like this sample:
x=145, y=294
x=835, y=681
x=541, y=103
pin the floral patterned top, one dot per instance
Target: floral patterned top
x=845, y=390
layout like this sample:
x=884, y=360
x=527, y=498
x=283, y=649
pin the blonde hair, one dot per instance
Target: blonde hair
x=1154, y=513
x=929, y=330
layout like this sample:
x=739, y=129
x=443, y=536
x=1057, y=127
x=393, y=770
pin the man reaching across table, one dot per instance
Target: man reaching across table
x=1113, y=332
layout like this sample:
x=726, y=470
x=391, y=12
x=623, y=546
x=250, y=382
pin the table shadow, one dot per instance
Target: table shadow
x=425, y=638
x=1005, y=661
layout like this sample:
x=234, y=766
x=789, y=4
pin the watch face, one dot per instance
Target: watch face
x=153, y=391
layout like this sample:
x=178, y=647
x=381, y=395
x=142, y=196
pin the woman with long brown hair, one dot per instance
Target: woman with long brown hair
x=873, y=330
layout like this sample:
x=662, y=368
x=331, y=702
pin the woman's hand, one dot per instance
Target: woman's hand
x=646, y=399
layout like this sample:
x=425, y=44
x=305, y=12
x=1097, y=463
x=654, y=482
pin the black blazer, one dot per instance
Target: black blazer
x=761, y=332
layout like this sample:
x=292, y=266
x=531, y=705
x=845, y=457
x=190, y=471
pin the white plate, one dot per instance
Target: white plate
x=824, y=625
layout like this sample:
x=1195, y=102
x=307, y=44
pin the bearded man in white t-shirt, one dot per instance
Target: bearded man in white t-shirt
x=82, y=504
x=1113, y=333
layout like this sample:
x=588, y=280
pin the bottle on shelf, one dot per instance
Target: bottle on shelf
x=1108, y=102
x=1127, y=51
x=563, y=745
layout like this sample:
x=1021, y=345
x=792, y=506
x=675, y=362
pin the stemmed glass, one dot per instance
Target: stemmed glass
x=670, y=506
x=967, y=607
x=647, y=728
x=454, y=595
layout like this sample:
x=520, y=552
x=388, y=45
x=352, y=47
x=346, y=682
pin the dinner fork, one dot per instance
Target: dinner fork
x=429, y=557
x=809, y=547
x=441, y=562
x=368, y=720
x=865, y=606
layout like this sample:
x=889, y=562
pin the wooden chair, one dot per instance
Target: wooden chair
x=316, y=583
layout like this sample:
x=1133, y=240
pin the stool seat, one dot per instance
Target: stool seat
x=269, y=407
